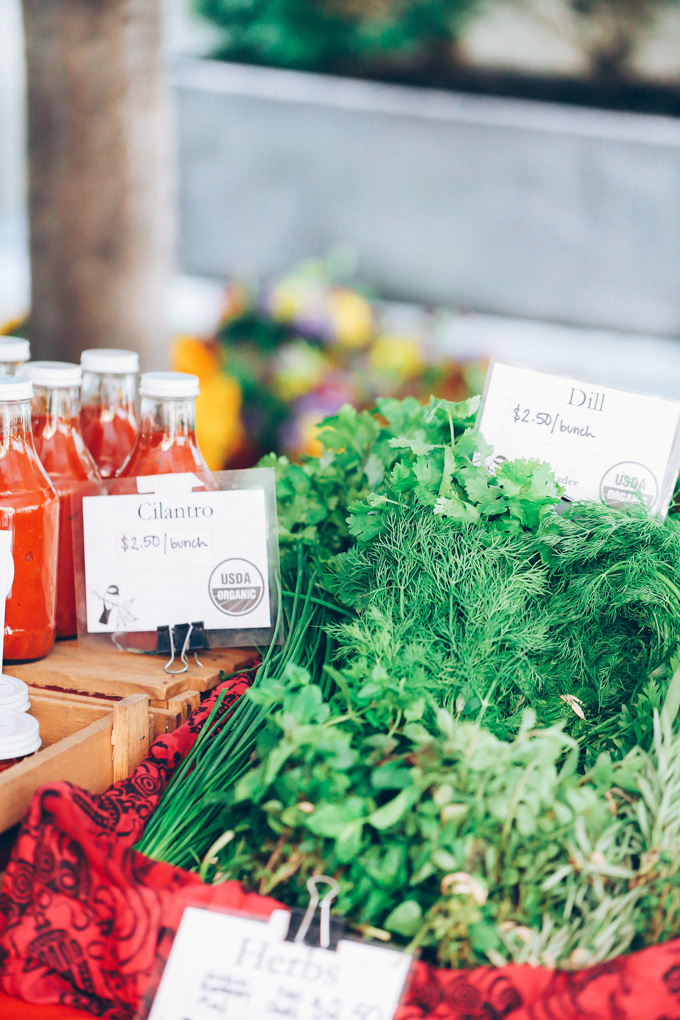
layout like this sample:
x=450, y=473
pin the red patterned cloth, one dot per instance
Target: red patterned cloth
x=87, y=922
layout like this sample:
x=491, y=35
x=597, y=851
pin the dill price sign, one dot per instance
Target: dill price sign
x=154, y=559
x=602, y=443
x=222, y=965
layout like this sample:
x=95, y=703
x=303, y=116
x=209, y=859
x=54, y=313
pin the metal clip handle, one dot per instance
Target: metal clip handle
x=325, y=909
x=183, y=653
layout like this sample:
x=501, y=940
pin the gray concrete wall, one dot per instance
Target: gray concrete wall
x=509, y=207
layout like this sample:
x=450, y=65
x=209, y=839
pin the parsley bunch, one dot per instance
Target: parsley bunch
x=442, y=835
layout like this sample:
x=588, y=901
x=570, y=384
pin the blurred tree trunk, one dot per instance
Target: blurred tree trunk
x=100, y=195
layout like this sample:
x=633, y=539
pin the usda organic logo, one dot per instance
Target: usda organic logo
x=629, y=482
x=236, y=587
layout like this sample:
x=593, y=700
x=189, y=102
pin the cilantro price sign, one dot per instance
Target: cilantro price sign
x=225, y=965
x=602, y=443
x=153, y=561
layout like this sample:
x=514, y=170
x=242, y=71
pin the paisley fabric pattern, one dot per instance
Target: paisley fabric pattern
x=88, y=922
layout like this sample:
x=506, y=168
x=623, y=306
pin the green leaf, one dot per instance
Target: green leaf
x=456, y=509
x=405, y=919
x=392, y=812
x=417, y=445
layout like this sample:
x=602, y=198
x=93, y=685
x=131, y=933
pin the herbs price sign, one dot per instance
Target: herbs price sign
x=156, y=559
x=222, y=965
x=602, y=443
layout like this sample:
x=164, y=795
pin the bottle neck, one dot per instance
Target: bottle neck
x=57, y=405
x=104, y=390
x=168, y=418
x=15, y=424
x=11, y=367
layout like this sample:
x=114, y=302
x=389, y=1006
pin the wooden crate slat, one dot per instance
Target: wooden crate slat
x=88, y=708
x=183, y=703
x=131, y=734
x=80, y=667
x=84, y=758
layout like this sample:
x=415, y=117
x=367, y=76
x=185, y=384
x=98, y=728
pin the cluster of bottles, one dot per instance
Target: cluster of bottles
x=64, y=428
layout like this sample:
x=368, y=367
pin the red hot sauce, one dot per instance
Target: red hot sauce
x=109, y=406
x=68, y=462
x=29, y=508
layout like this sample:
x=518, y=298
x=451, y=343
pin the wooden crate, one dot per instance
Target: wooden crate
x=164, y=718
x=83, y=668
x=90, y=745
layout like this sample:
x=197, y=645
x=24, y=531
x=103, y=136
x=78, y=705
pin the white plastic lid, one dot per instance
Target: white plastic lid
x=169, y=384
x=19, y=734
x=109, y=361
x=14, y=348
x=15, y=387
x=13, y=694
x=58, y=374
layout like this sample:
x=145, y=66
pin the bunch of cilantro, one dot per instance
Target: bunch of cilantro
x=426, y=454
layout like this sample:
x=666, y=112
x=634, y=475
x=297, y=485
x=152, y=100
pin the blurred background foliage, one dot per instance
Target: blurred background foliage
x=339, y=35
x=373, y=36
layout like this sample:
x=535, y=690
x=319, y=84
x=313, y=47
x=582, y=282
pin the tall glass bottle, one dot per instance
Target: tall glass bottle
x=166, y=445
x=29, y=508
x=167, y=433
x=109, y=406
x=14, y=353
x=67, y=460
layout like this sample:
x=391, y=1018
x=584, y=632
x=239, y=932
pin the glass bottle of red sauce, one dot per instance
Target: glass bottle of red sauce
x=29, y=508
x=14, y=353
x=166, y=445
x=109, y=406
x=68, y=462
x=167, y=433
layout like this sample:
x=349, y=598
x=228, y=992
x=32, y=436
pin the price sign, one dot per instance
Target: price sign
x=237, y=968
x=602, y=443
x=156, y=559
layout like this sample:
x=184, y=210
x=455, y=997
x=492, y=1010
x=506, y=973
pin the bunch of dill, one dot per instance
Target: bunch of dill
x=575, y=618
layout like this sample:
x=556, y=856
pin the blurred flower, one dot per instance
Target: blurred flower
x=189, y=354
x=219, y=429
x=399, y=356
x=236, y=300
x=287, y=298
x=350, y=317
x=298, y=368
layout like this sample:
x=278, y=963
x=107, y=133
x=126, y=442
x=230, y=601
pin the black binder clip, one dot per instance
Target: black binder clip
x=189, y=637
x=318, y=929
x=563, y=505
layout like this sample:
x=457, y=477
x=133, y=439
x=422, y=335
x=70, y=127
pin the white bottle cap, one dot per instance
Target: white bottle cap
x=14, y=348
x=175, y=385
x=56, y=374
x=13, y=694
x=109, y=361
x=19, y=735
x=15, y=387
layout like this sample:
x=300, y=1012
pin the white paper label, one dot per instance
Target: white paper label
x=602, y=443
x=224, y=966
x=154, y=560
